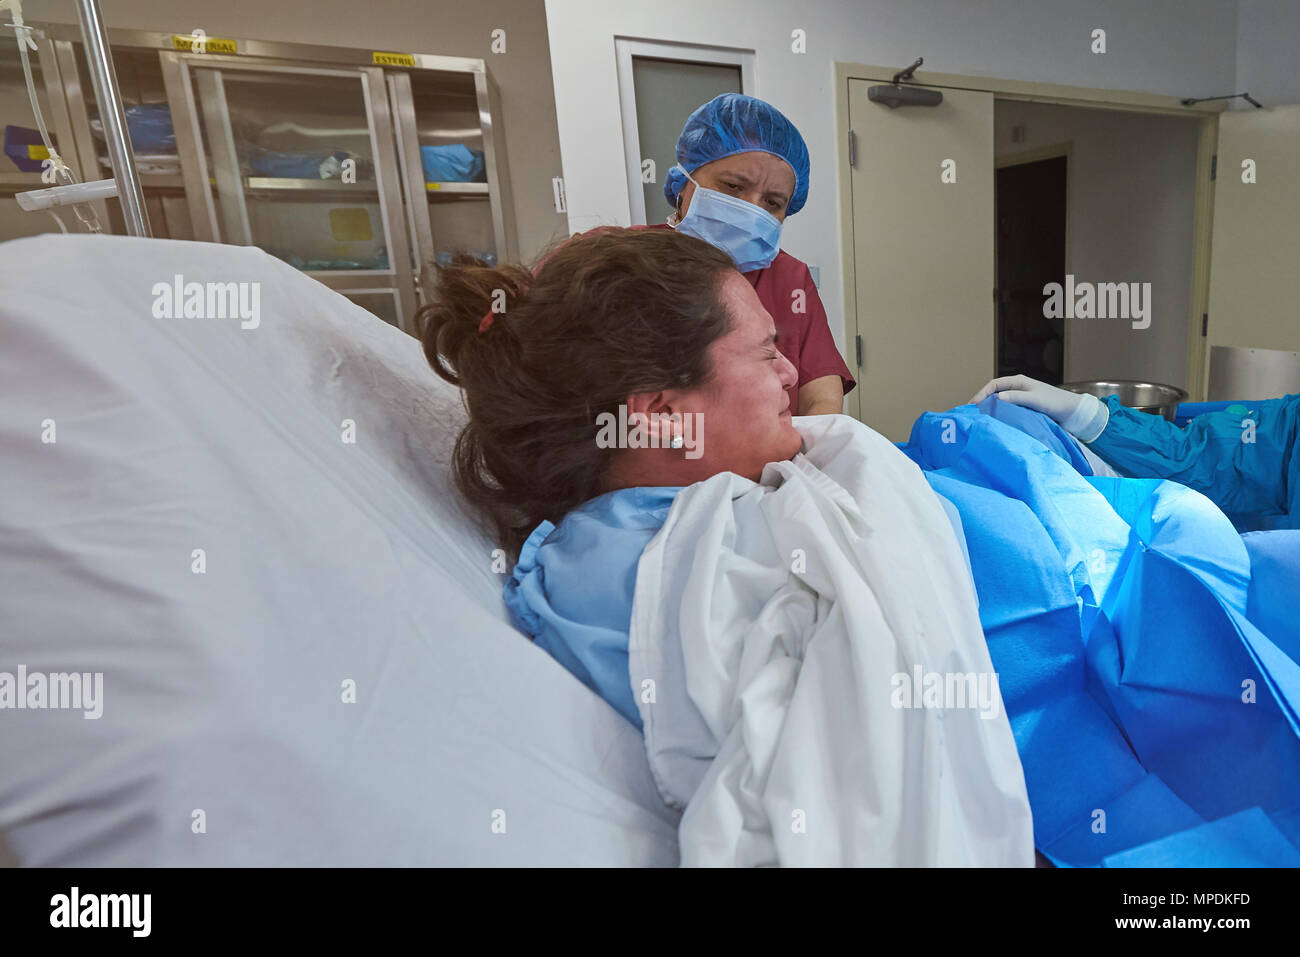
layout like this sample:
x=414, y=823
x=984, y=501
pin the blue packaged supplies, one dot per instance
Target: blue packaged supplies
x=295, y=165
x=456, y=163
x=150, y=126
x=24, y=147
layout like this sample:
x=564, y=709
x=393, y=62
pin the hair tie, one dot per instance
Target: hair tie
x=486, y=321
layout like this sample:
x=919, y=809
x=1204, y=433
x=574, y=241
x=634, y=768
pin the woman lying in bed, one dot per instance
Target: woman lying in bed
x=761, y=614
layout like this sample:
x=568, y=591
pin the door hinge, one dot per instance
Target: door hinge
x=853, y=149
x=1214, y=167
x=1205, y=324
x=859, y=343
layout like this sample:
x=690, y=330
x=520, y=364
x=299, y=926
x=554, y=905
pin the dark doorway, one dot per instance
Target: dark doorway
x=1030, y=208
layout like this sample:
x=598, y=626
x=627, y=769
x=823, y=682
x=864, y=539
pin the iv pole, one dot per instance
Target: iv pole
x=100, y=60
x=126, y=182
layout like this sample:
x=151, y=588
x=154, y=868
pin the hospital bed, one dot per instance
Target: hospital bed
x=251, y=532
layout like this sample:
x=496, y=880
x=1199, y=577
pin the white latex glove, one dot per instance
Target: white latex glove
x=1083, y=416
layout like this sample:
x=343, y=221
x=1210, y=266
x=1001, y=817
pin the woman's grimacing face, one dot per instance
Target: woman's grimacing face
x=743, y=412
x=745, y=406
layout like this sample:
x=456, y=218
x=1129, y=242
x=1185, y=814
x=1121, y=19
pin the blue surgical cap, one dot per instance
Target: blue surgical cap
x=734, y=123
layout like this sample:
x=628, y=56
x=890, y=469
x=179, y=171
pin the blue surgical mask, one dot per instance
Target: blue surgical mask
x=749, y=235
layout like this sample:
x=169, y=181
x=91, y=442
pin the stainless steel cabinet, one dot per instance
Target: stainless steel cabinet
x=363, y=168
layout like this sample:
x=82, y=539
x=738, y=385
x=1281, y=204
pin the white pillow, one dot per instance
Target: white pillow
x=325, y=563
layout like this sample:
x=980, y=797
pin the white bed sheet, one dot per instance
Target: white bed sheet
x=325, y=562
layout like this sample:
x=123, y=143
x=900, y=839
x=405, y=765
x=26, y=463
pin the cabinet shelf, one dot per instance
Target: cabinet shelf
x=148, y=180
x=255, y=183
x=473, y=189
x=30, y=180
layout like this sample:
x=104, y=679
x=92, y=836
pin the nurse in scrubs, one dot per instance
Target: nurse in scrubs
x=742, y=168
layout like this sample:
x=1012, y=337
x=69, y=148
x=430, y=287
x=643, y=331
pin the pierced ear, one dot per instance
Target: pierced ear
x=670, y=427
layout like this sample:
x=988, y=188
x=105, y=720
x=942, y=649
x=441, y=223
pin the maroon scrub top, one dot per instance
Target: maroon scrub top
x=802, y=336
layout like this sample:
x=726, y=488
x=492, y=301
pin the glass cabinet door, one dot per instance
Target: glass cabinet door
x=449, y=153
x=297, y=161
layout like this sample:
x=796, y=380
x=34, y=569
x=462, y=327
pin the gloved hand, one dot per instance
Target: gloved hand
x=1032, y=394
x=1083, y=416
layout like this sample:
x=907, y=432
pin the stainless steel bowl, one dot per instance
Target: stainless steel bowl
x=1153, y=397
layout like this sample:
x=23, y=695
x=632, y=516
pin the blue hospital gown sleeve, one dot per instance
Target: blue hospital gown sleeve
x=571, y=590
x=1243, y=458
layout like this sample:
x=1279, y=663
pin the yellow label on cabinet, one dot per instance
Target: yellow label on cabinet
x=351, y=225
x=433, y=186
x=392, y=59
x=196, y=44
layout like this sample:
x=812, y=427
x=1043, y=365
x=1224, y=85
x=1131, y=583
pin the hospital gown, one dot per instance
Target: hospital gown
x=571, y=590
x=1124, y=616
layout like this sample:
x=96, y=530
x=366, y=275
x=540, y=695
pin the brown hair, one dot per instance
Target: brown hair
x=609, y=314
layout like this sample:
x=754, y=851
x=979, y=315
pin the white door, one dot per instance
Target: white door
x=1255, y=252
x=923, y=240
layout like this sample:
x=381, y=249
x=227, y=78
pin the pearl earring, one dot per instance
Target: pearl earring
x=677, y=441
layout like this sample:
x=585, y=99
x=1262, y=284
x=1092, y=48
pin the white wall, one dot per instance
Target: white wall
x=1172, y=47
x=1268, y=53
x=1132, y=182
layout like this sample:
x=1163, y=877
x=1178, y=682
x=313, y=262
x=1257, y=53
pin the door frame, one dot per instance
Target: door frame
x=1037, y=155
x=625, y=48
x=1121, y=100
